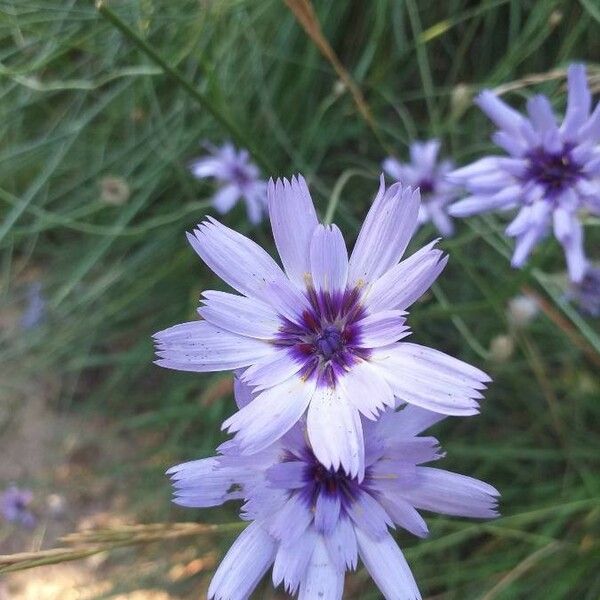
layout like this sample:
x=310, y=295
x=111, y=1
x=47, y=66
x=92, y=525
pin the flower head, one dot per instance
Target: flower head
x=429, y=175
x=238, y=178
x=312, y=523
x=323, y=337
x=553, y=171
x=13, y=506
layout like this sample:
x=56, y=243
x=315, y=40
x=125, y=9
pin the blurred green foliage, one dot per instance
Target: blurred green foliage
x=80, y=102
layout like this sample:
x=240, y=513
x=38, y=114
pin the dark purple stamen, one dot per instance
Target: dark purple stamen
x=240, y=175
x=330, y=342
x=321, y=480
x=554, y=171
x=426, y=186
x=326, y=339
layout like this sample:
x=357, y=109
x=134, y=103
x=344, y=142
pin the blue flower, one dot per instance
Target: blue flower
x=323, y=338
x=312, y=523
x=552, y=173
x=237, y=177
x=429, y=175
x=13, y=506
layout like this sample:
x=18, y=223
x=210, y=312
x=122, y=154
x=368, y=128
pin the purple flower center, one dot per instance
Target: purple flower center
x=427, y=186
x=321, y=480
x=325, y=338
x=554, y=171
x=330, y=342
x=240, y=175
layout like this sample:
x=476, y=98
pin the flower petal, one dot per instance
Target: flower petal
x=239, y=314
x=498, y=111
x=367, y=390
x=568, y=232
x=293, y=220
x=335, y=431
x=274, y=369
x=292, y=520
x=225, y=198
x=477, y=204
x=201, y=347
x=327, y=512
x=407, y=281
x=328, y=259
x=382, y=328
x=271, y=414
x=369, y=516
x=237, y=260
x=431, y=379
x=449, y=493
x=404, y=514
x=292, y=561
x=385, y=233
x=322, y=578
x=342, y=546
x=200, y=483
x=388, y=567
x=579, y=100
x=244, y=565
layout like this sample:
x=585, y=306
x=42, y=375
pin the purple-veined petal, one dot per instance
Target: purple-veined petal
x=388, y=567
x=239, y=314
x=447, y=368
x=201, y=347
x=369, y=516
x=409, y=421
x=272, y=370
x=328, y=259
x=322, y=579
x=335, y=431
x=382, y=328
x=367, y=390
x=292, y=561
x=244, y=565
x=327, y=512
x=237, y=260
x=293, y=219
x=449, y=493
x=341, y=545
x=385, y=233
x=271, y=414
x=407, y=281
x=292, y=520
x=404, y=514
x=287, y=475
x=242, y=392
x=201, y=483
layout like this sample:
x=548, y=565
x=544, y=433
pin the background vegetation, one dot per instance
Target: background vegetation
x=80, y=101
